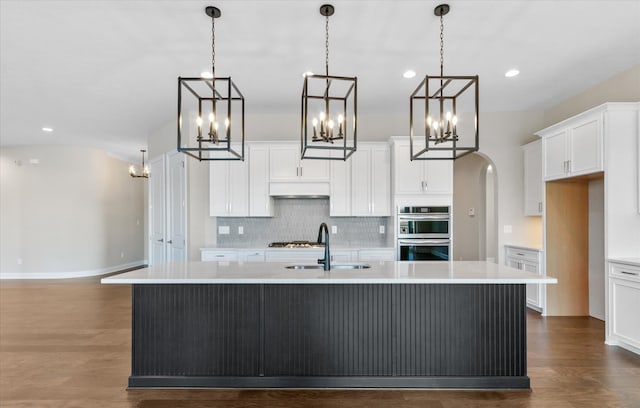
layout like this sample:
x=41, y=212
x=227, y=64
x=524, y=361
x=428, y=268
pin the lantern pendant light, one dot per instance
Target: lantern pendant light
x=450, y=112
x=216, y=100
x=329, y=105
x=145, y=169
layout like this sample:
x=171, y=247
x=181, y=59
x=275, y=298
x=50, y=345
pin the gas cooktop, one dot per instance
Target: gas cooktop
x=296, y=244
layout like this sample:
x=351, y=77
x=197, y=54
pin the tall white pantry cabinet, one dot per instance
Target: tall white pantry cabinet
x=605, y=140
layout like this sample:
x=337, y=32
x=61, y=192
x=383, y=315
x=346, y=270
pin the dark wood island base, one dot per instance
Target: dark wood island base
x=329, y=336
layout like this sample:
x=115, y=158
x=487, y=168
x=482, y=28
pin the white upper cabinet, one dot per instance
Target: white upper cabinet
x=260, y=203
x=370, y=186
x=340, y=194
x=228, y=188
x=420, y=177
x=533, y=183
x=573, y=147
x=285, y=165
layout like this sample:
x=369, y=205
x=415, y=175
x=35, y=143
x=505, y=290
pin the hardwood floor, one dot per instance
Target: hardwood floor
x=67, y=344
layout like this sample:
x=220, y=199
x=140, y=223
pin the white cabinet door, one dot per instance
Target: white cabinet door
x=361, y=182
x=438, y=176
x=574, y=148
x=533, y=183
x=586, y=147
x=314, y=170
x=380, y=181
x=624, y=301
x=251, y=256
x=228, y=189
x=285, y=165
x=555, y=156
x=260, y=203
x=284, y=162
x=227, y=255
x=408, y=175
x=340, y=194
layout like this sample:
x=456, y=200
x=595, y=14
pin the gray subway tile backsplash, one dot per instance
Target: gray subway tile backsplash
x=298, y=219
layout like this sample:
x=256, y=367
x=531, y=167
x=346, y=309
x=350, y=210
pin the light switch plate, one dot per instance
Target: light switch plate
x=334, y=229
x=381, y=229
x=471, y=212
x=508, y=229
x=240, y=230
x=223, y=230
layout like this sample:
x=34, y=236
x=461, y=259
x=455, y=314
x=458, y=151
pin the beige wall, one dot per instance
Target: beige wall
x=624, y=87
x=76, y=212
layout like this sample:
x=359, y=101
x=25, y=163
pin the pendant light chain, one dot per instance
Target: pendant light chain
x=326, y=45
x=441, y=45
x=213, y=49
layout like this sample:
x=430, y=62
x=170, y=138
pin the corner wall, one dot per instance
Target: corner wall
x=74, y=213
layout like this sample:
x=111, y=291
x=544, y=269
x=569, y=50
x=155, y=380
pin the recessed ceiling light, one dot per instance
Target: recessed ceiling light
x=306, y=74
x=47, y=129
x=206, y=75
x=409, y=74
x=511, y=73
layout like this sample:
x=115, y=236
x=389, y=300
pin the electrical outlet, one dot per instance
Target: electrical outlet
x=240, y=230
x=334, y=229
x=223, y=230
x=381, y=229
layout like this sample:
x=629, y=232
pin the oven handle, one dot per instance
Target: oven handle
x=423, y=241
x=424, y=217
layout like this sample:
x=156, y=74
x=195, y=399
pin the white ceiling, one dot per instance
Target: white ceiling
x=104, y=73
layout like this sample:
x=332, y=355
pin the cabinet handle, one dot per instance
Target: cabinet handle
x=169, y=242
x=219, y=256
x=518, y=253
x=630, y=273
x=539, y=206
x=301, y=171
x=161, y=240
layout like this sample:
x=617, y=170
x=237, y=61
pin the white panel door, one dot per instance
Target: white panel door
x=157, y=208
x=176, y=211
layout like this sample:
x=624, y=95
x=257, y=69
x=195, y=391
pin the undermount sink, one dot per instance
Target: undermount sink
x=338, y=266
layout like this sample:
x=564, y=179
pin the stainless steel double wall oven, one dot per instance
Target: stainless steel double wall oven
x=424, y=233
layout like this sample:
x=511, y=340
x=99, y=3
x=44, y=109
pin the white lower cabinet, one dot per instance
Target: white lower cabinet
x=226, y=255
x=623, y=317
x=529, y=260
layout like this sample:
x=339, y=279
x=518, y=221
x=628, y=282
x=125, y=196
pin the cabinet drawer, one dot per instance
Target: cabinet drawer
x=377, y=255
x=624, y=271
x=521, y=253
x=218, y=256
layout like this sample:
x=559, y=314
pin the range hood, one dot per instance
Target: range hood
x=299, y=189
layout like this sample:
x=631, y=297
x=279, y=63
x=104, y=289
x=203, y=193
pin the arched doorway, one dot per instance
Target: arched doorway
x=475, y=221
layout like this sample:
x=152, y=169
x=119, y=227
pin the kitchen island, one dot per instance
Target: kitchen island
x=395, y=324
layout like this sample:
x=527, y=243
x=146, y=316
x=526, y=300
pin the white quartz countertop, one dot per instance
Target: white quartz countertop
x=456, y=272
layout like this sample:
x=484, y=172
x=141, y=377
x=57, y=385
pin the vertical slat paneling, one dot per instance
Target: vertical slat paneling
x=196, y=330
x=461, y=330
x=326, y=330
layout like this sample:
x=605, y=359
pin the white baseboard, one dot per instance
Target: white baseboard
x=69, y=275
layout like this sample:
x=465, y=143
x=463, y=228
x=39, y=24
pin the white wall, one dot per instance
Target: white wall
x=596, y=249
x=74, y=213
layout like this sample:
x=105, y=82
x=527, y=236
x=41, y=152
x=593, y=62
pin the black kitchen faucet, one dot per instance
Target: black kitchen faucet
x=327, y=258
